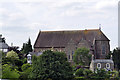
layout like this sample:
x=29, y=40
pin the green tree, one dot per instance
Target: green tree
x=27, y=47
x=101, y=74
x=82, y=56
x=12, y=54
x=2, y=55
x=51, y=65
x=79, y=72
x=87, y=73
x=116, y=58
x=9, y=72
x=26, y=70
x=25, y=67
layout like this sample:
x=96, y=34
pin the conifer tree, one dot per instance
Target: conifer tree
x=27, y=47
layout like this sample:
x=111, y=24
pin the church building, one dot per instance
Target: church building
x=69, y=40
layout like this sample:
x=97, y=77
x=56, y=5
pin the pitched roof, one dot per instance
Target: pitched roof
x=3, y=45
x=61, y=38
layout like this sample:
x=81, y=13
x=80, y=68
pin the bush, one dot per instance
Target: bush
x=51, y=65
x=9, y=72
x=25, y=67
x=80, y=78
x=79, y=72
x=12, y=54
x=87, y=73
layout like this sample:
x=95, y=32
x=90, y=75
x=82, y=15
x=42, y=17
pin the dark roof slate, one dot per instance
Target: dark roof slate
x=61, y=38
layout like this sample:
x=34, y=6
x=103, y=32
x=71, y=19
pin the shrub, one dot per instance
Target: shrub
x=25, y=67
x=87, y=73
x=9, y=72
x=79, y=72
x=12, y=54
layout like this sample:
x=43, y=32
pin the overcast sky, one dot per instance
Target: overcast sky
x=21, y=20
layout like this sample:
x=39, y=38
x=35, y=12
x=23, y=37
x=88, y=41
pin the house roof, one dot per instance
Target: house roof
x=102, y=61
x=61, y=38
x=3, y=45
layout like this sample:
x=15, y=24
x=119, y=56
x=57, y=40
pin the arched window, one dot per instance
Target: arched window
x=107, y=65
x=98, y=65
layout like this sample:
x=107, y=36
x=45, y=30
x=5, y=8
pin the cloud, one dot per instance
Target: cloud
x=25, y=19
x=104, y=4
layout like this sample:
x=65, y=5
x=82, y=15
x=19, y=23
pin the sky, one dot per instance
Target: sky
x=20, y=20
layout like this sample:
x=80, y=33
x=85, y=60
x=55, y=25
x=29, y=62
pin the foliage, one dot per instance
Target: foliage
x=27, y=47
x=109, y=55
x=25, y=67
x=87, y=73
x=79, y=72
x=24, y=60
x=3, y=40
x=82, y=56
x=101, y=74
x=116, y=56
x=12, y=54
x=13, y=62
x=9, y=72
x=2, y=54
x=51, y=65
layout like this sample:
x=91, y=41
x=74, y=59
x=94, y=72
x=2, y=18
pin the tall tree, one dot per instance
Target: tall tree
x=82, y=56
x=116, y=58
x=27, y=47
x=51, y=65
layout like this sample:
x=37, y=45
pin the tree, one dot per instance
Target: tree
x=11, y=54
x=79, y=72
x=12, y=59
x=26, y=69
x=27, y=47
x=101, y=74
x=116, y=58
x=82, y=56
x=87, y=73
x=51, y=65
x=9, y=73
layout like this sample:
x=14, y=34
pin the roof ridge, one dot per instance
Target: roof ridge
x=71, y=30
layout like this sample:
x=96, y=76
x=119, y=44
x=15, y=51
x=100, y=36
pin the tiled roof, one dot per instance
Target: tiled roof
x=102, y=61
x=3, y=45
x=61, y=38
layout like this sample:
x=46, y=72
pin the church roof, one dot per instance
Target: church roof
x=61, y=38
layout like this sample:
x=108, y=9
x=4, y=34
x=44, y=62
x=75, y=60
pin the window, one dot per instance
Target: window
x=103, y=49
x=98, y=65
x=68, y=56
x=108, y=65
x=29, y=57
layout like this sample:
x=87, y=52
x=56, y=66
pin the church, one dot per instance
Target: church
x=69, y=40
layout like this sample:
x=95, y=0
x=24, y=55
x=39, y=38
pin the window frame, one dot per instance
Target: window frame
x=98, y=66
x=107, y=65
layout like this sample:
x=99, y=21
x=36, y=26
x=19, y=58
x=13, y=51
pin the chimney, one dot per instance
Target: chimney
x=99, y=26
x=11, y=44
